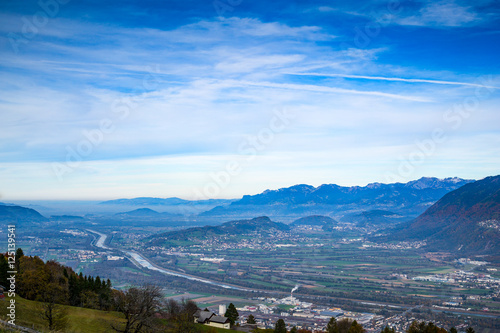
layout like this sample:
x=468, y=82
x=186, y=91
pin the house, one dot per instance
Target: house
x=220, y=322
x=203, y=316
x=207, y=317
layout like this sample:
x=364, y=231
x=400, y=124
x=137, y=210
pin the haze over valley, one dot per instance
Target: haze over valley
x=340, y=245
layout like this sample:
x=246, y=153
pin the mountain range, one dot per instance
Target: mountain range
x=145, y=213
x=465, y=219
x=406, y=199
x=174, y=201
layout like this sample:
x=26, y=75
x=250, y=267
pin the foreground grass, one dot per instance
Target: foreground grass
x=80, y=320
x=206, y=328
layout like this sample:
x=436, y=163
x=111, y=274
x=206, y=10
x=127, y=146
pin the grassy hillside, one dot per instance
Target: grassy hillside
x=80, y=320
x=206, y=328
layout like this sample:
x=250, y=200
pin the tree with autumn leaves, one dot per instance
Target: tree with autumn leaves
x=35, y=277
x=423, y=327
x=53, y=286
x=344, y=326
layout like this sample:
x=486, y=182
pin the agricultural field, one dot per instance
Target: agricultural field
x=329, y=268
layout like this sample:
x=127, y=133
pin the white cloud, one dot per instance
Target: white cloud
x=246, y=63
x=327, y=9
x=443, y=13
x=333, y=90
x=398, y=79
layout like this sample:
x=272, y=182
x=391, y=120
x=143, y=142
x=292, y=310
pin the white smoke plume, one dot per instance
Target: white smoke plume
x=295, y=288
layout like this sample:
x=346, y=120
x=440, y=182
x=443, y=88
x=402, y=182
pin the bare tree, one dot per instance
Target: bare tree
x=139, y=306
x=344, y=325
x=55, y=315
x=172, y=308
x=180, y=316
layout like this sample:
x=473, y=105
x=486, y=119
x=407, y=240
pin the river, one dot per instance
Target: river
x=140, y=260
x=100, y=241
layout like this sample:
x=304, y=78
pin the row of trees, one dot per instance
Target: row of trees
x=89, y=292
x=333, y=326
x=423, y=327
x=53, y=282
x=4, y=266
x=351, y=326
x=344, y=326
x=53, y=285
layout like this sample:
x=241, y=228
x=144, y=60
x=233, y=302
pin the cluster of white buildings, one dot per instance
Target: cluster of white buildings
x=87, y=255
x=304, y=310
x=467, y=261
x=74, y=232
x=214, y=260
x=113, y=258
x=396, y=246
x=494, y=224
x=462, y=277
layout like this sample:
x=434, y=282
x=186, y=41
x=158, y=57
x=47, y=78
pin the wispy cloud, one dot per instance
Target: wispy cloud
x=442, y=13
x=327, y=9
x=333, y=90
x=398, y=79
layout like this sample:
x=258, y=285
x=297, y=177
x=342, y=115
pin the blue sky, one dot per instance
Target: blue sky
x=202, y=99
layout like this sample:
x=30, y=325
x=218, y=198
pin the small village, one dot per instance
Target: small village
x=302, y=315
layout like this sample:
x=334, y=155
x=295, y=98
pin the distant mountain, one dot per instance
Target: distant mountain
x=373, y=217
x=408, y=199
x=326, y=223
x=464, y=220
x=147, y=201
x=317, y=220
x=66, y=218
x=261, y=224
x=14, y=214
x=144, y=212
x=140, y=212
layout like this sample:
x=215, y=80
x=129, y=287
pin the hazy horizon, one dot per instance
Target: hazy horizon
x=96, y=199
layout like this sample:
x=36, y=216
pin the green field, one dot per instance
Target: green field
x=80, y=320
x=331, y=269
